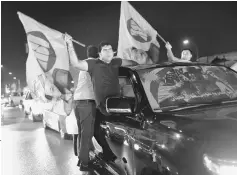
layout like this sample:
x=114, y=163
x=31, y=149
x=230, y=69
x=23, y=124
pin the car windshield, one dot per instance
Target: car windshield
x=182, y=86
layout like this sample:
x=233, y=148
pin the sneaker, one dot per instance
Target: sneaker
x=87, y=167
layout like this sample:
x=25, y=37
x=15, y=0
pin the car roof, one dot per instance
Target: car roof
x=169, y=64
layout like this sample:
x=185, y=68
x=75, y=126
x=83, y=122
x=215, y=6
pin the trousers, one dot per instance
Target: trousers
x=85, y=111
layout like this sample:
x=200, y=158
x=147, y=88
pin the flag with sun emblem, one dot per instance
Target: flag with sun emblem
x=47, y=65
x=134, y=32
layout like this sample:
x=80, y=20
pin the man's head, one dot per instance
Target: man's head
x=139, y=55
x=106, y=51
x=186, y=54
x=92, y=52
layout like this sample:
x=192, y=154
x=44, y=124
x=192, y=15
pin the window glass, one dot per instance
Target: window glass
x=126, y=89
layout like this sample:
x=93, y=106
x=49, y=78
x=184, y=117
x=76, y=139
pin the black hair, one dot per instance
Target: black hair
x=92, y=52
x=102, y=44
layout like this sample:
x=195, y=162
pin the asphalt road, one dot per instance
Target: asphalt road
x=29, y=149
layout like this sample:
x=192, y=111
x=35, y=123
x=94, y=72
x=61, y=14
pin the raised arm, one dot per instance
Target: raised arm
x=74, y=61
x=171, y=56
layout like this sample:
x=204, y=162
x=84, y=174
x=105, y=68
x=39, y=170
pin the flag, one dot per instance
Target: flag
x=134, y=32
x=47, y=65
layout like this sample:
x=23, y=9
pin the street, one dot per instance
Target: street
x=29, y=149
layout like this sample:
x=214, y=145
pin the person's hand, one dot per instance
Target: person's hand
x=68, y=95
x=168, y=46
x=68, y=39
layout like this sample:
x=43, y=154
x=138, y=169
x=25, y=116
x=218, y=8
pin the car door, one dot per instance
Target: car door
x=119, y=128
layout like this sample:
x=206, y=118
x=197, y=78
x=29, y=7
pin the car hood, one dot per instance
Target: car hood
x=214, y=129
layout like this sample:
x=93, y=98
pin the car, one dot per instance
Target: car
x=172, y=118
x=54, y=118
x=32, y=107
x=4, y=100
x=16, y=98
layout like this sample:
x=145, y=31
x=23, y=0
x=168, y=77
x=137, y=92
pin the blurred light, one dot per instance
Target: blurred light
x=180, y=131
x=10, y=73
x=136, y=146
x=186, y=41
x=14, y=78
x=1, y=66
x=72, y=81
x=126, y=143
x=228, y=170
x=177, y=136
x=219, y=168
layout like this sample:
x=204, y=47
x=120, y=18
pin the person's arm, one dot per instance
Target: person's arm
x=170, y=54
x=79, y=64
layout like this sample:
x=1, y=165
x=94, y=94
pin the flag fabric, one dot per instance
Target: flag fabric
x=47, y=65
x=134, y=32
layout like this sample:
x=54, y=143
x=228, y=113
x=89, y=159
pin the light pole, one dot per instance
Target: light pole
x=187, y=42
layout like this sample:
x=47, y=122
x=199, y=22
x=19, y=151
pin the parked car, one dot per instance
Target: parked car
x=54, y=119
x=16, y=98
x=32, y=108
x=171, y=119
x=4, y=100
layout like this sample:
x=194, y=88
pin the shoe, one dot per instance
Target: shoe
x=87, y=167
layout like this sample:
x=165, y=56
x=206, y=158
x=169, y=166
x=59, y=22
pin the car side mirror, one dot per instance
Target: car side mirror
x=118, y=105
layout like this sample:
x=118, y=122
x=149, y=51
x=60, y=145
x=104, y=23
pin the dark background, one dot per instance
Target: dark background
x=212, y=26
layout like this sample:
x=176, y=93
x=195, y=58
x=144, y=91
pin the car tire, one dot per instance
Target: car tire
x=12, y=103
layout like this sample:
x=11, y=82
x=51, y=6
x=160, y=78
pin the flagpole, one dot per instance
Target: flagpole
x=75, y=41
x=161, y=38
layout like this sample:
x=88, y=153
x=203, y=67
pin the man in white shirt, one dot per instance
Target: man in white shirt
x=85, y=111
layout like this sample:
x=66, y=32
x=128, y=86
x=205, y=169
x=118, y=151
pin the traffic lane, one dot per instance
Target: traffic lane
x=29, y=149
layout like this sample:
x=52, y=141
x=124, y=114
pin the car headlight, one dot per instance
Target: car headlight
x=220, y=167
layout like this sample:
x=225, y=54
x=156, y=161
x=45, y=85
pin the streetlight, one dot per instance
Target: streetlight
x=186, y=42
x=14, y=78
x=10, y=73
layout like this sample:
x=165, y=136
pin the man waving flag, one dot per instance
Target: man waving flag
x=136, y=36
x=47, y=66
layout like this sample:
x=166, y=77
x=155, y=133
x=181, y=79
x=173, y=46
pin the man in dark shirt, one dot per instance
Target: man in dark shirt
x=103, y=71
x=104, y=75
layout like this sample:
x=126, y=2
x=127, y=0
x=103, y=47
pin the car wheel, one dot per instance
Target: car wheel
x=12, y=103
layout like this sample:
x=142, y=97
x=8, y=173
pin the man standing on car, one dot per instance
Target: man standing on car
x=186, y=54
x=104, y=75
x=85, y=111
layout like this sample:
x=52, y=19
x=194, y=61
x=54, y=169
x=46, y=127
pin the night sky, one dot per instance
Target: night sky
x=212, y=26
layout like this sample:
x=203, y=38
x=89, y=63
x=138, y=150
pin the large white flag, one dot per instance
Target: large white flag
x=47, y=66
x=134, y=31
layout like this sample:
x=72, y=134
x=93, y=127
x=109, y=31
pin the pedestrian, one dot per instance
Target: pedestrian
x=186, y=54
x=85, y=110
x=104, y=75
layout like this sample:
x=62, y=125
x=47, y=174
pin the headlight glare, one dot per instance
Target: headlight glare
x=219, y=167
